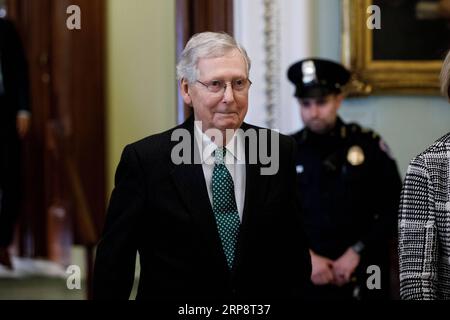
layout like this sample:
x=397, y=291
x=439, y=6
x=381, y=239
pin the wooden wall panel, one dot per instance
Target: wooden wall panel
x=65, y=152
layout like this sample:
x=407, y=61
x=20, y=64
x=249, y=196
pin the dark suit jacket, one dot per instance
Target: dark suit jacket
x=14, y=69
x=163, y=211
x=14, y=97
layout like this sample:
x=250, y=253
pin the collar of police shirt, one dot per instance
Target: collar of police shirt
x=234, y=161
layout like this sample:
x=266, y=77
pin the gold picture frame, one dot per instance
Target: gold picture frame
x=372, y=76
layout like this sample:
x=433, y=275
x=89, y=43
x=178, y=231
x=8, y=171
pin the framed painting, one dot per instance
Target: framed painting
x=395, y=46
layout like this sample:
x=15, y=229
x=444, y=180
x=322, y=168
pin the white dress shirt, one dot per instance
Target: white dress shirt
x=234, y=161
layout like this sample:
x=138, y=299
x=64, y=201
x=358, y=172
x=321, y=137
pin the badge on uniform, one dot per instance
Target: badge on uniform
x=355, y=156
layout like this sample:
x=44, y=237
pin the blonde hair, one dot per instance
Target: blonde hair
x=445, y=77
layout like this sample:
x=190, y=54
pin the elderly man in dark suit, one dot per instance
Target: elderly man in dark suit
x=215, y=225
x=14, y=125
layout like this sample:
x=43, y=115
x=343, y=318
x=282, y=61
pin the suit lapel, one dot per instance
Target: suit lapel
x=251, y=188
x=254, y=185
x=254, y=189
x=191, y=186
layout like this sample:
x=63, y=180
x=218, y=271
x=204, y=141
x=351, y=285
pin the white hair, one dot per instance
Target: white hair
x=445, y=77
x=206, y=45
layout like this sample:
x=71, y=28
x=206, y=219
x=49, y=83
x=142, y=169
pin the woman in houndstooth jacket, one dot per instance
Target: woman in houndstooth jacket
x=424, y=218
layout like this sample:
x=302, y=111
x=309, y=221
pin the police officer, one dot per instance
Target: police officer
x=349, y=187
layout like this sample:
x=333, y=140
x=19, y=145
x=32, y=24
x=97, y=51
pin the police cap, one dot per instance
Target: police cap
x=315, y=78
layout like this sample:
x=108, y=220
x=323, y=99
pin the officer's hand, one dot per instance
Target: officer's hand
x=344, y=267
x=322, y=272
x=23, y=125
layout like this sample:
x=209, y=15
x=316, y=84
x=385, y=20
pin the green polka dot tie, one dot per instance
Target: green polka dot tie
x=224, y=206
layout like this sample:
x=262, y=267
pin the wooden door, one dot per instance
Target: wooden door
x=64, y=170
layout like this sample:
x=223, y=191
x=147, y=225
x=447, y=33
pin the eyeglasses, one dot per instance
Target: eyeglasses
x=215, y=86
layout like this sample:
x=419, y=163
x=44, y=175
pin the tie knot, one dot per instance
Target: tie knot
x=219, y=155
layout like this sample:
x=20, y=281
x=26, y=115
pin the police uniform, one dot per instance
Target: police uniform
x=349, y=188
